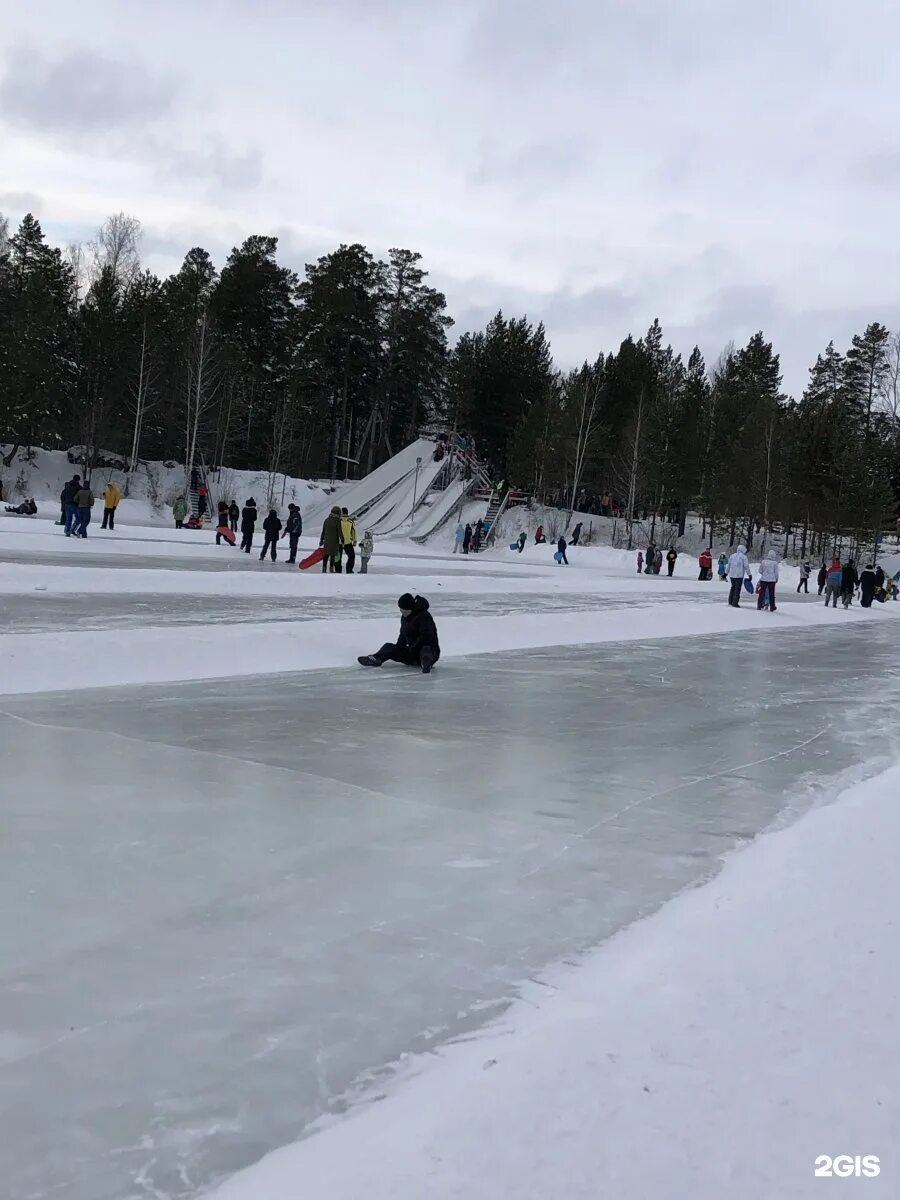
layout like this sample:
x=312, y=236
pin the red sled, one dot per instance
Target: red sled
x=226, y=534
x=312, y=559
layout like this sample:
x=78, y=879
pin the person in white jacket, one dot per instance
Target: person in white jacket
x=768, y=577
x=738, y=569
x=458, y=539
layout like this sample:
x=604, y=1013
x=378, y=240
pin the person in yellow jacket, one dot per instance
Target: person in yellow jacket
x=111, y=498
x=348, y=533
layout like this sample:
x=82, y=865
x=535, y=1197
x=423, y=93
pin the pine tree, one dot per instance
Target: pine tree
x=37, y=343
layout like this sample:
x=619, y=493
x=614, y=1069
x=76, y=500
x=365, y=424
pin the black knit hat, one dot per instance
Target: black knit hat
x=406, y=601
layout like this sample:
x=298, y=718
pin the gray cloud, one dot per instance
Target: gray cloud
x=230, y=170
x=535, y=166
x=81, y=92
x=19, y=203
x=882, y=167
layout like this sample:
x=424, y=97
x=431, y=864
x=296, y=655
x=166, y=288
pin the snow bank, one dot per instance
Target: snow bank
x=715, y=1050
x=151, y=489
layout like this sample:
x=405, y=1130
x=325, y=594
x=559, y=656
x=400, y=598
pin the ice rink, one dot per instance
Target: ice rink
x=228, y=906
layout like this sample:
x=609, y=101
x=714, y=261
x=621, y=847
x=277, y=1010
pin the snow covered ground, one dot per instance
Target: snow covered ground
x=243, y=881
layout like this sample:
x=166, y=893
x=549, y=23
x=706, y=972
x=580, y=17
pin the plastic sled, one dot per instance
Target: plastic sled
x=557, y=557
x=311, y=560
x=514, y=545
x=748, y=586
x=226, y=533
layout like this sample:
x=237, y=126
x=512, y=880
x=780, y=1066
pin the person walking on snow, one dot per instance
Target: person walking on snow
x=179, y=512
x=822, y=577
x=523, y=538
x=833, y=578
x=658, y=562
x=293, y=527
x=366, y=549
x=867, y=586
x=84, y=500
x=650, y=560
x=561, y=547
x=705, y=561
x=723, y=567
x=576, y=533
x=222, y=523
x=459, y=538
x=67, y=498
x=672, y=559
x=805, y=572
x=768, y=577
x=331, y=541
x=234, y=515
x=248, y=525
x=272, y=529
x=467, y=539
x=111, y=498
x=849, y=580
x=738, y=571
x=349, y=536
x=417, y=645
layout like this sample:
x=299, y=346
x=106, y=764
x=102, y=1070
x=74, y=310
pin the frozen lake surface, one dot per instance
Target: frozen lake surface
x=227, y=905
x=39, y=612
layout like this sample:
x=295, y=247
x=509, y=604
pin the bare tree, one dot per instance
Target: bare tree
x=588, y=425
x=77, y=259
x=202, y=381
x=115, y=246
x=632, y=469
x=889, y=389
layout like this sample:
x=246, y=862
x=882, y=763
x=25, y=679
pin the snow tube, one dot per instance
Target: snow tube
x=748, y=586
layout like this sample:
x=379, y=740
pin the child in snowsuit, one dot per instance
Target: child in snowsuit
x=723, y=567
x=805, y=572
x=271, y=528
x=366, y=548
x=417, y=645
x=248, y=525
x=293, y=527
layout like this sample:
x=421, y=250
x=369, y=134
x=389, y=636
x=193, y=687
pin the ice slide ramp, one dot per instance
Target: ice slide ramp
x=360, y=496
x=411, y=491
x=434, y=516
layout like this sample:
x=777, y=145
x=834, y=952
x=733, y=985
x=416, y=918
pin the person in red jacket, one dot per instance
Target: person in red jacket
x=706, y=565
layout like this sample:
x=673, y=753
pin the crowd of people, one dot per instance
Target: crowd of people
x=837, y=581
x=338, y=540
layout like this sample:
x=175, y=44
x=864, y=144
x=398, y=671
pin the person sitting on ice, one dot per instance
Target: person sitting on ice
x=417, y=645
x=27, y=508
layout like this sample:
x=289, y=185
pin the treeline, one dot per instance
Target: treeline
x=330, y=372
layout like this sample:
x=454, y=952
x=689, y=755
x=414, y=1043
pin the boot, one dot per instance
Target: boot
x=369, y=660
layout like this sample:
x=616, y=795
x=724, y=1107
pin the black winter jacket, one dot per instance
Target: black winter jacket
x=849, y=578
x=248, y=518
x=294, y=523
x=418, y=629
x=272, y=525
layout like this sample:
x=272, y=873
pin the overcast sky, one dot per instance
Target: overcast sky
x=721, y=164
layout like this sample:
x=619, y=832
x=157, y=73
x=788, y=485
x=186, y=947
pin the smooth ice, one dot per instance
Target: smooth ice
x=228, y=906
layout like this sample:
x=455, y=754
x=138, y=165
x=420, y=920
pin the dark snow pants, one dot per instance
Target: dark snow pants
x=803, y=585
x=293, y=539
x=671, y=569
x=766, y=589
x=350, y=551
x=109, y=518
x=269, y=544
x=734, y=595
x=390, y=652
x=247, y=540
